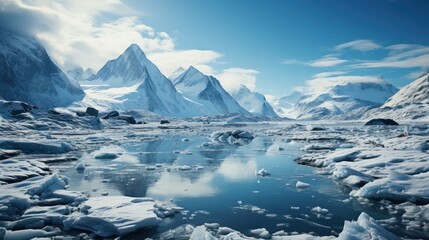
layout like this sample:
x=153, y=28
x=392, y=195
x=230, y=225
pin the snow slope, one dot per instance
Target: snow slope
x=345, y=101
x=78, y=74
x=207, y=92
x=411, y=102
x=253, y=102
x=132, y=81
x=28, y=74
x=284, y=104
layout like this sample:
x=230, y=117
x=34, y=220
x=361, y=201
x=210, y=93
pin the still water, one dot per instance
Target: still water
x=222, y=186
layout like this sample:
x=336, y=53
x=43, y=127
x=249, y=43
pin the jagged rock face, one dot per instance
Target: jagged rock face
x=28, y=74
x=206, y=91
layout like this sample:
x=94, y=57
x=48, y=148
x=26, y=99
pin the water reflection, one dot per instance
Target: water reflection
x=173, y=185
x=228, y=177
x=238, y=169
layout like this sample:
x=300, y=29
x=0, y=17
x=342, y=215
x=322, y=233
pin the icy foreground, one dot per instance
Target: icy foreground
x=381, y=166
x=39, y=202
x=364, y=228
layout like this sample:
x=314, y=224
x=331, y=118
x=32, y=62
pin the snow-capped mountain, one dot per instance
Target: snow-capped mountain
x=78, y=74
x=207, y=92
x=132, y=81
x=345, y=101
x=28, y=74
x=284, y=104
x=411, y=102
x=253, y=102
x=176, y=73
x=416, y=92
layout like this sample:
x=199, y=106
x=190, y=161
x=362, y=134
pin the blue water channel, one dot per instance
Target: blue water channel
x=222, y=186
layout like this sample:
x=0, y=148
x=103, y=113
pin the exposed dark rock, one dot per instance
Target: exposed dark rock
x=381, y=121
x=129, y=119
x=164, y=122
x=92, y=111
x=111, y=115
x=24, y=116
x=4, y=154
x=17, y=111
x=81, y=114
x=19, y=107
x=315, y=128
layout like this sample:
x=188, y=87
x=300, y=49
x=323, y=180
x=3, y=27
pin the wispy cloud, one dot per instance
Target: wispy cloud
x=169, y=61
x=292, y=62
x=414, y=75
x=232, y=78
x=328, y=74
x=359, y=45
x=327, y=62
x=320, y=85
x=400, y=56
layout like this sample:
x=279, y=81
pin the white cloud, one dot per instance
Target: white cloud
x=327, y=62
x=232, y=78
x=74, y=33
x=271, y=98
x=400, y=56
x=235, y=170
x=322, y=84
x=292, y=62
x=359, y=45
x=170, y=61
x=328, y=74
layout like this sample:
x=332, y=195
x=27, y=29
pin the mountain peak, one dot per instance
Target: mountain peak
x=194, y=75
x=176, y=74
x=193, y=70
x=134, y=48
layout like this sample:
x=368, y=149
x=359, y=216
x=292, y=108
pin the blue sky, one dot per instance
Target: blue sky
x=260, y=35
x=272, y=46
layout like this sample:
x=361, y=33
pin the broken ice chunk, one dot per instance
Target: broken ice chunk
x=300, y=184
x=262, y=172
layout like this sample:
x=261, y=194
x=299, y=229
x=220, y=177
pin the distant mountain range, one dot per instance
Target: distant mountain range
x=132, y=81
x=348, y=101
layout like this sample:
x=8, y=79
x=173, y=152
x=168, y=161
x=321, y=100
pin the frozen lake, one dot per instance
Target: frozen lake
x=221, y=186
